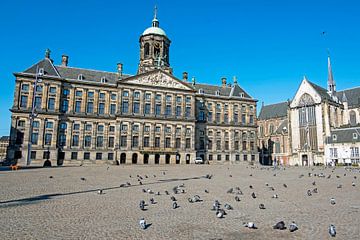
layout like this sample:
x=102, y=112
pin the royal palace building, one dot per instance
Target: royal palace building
x=69, y=115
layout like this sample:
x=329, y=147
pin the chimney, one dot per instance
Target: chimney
x=193, y=80
x=120, y=69
x=223, y=81
x=185, y=76
x=64, y=60
x=47, y=53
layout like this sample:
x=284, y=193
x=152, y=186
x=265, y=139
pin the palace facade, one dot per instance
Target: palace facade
x=152, y=117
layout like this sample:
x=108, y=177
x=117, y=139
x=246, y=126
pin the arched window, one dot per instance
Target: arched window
x=261, y=132
x=147, y=49
x=352, y=118
x=271, y=129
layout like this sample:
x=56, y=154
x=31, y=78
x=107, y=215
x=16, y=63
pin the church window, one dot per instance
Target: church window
x=147, y=49
x=352, y=118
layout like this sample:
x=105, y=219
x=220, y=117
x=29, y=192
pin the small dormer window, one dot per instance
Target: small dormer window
x=242, y=95
x=41, y=72
x=103, y=80
x=217, y=92
x=201, y=91
x=355, y=136
x=80, y=77
x=334, y=137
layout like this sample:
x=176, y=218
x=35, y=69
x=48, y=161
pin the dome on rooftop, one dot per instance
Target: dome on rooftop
x=154, y=30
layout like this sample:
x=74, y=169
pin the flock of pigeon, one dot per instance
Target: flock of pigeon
x=220, y=212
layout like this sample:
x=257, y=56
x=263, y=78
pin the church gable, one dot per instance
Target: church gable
x=158, y=79
x=305, y=95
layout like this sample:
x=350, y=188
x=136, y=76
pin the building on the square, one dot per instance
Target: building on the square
x=273, y=134
x=314, y=115
x=148, y=118
x=4, y=143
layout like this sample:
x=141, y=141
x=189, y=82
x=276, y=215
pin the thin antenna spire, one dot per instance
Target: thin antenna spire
x=155, y=22
x=155, y=12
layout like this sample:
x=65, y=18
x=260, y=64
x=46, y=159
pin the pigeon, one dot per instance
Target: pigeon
x=174, y=205
x=146, y=176
x=166, y=192
x=275, y=196
x=250, y=175
x=274, y=175
x=314, y=183
x=253, y=195
x=251, y=187
x=353, y=184
x=206, y=191
x=237, y=198
x=142, y=205
x=261, y=206
x=163, y=173
x=128, y=184
x=230, y=190
x=220, y=213
x=150, y=191
x=301, y=175
x=332, y=230
x=250, y=225
x=329, y=176
x=228, y=206
x=309, y=193
x=332, y=201
x=152, y=201
x=142, y=223
x=83, y=179
x=354, y=177
x=107, y=168
x=285, y=186
x=272, y=188
x=230, y=175
x=100, y=191
x=280, y=225
x=173, y=198
x=339, y=186
x=144, y=190
x=123, y=185
x=293, y=227
x=266, y=184
x=315, y=190
x=130, y=176
x=157, y=193
x=51, y=177
x=140, y=183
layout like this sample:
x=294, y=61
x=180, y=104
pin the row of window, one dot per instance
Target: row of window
x=219, y=146
x=225, y=106
x=354, y=152
x=226, y=134
x=227, y=157
x=202, y=117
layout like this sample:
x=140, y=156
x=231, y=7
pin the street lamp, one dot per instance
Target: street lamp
x=33, y=113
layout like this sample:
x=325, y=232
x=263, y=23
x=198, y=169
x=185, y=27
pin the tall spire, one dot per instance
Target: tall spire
x=331, y=82
x=155, y=22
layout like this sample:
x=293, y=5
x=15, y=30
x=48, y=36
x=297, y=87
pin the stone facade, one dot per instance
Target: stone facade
x=84, y=115
x=4, y=143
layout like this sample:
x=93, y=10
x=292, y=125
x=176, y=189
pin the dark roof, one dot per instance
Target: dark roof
x=352, y=96
x=4, y=139
x=47, y=65
x=228, y=91
x=344, y=135
x=273, y=111
x=88, y=74
x=322, y=91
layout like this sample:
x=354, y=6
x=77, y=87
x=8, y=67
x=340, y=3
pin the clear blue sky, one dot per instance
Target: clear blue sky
x=268, y=45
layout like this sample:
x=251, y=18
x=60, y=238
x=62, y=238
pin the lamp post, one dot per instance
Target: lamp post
x=33, y=114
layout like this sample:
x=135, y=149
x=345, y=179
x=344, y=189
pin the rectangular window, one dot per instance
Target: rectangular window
x=244, y=146
x=111, y=142
x=125, y=107
x=237, y=157
x=168, y=110
x=218, y=117
x=218, y=145
x=51, y=104
x=78, y=106
x=243, y=118
x=136, y=107
x=25, y=87
x=110, y=156
x=167, y=142
x=252, y=146
x=48, y=137
x=210, y=145
x=113, y=96
x=34, y=138
x=33, y=155
x=86, y=155
x=49, y=125
x=146, y=141
x=251, y=119
x=135, y=141
x=158, y=97
x=102, y=95
x=125, y=93
x=87, y=141
x=137, y=95
x=39, y=88
x=252, y=157
x=99, y=141
x=168, y=129
x=178, y=99
x=112, y=109
x=98, y=156
x=38, y=102
x=36, y=124
x=88, y=127
x=52, y=90
x=112, y=129
x=147, y=129
x=75, y=141
x=157, y=109
x=78, y=93
x=236, y=118
x=101, y=108
x=148, y=96
x=188, y=143
x=245, y=157
x=157, y=142
x=46, y=155
x=74, y=155
x=62, y=140
x=210, y=157
x=178, y=111
x=187, y=111
x=210, y=116
x=178, y=143
x=123, y=141
x=76, y=126
x=178, y=130
x=227, y=157
x=23, y=101
x=65, y=106
x=66, y=92
x=226, y=145
x=90, y=107
x=168, y=98
x=135, y=128
x=202, y=144
x=100, y=128
x=188, y=99
x=236, y=145
x=219, y=157
x=124, y=127
x=90, y=94
x=147, y=108
x=226, y=118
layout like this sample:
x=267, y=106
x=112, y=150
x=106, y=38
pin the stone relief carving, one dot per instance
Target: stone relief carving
x=158, y=79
